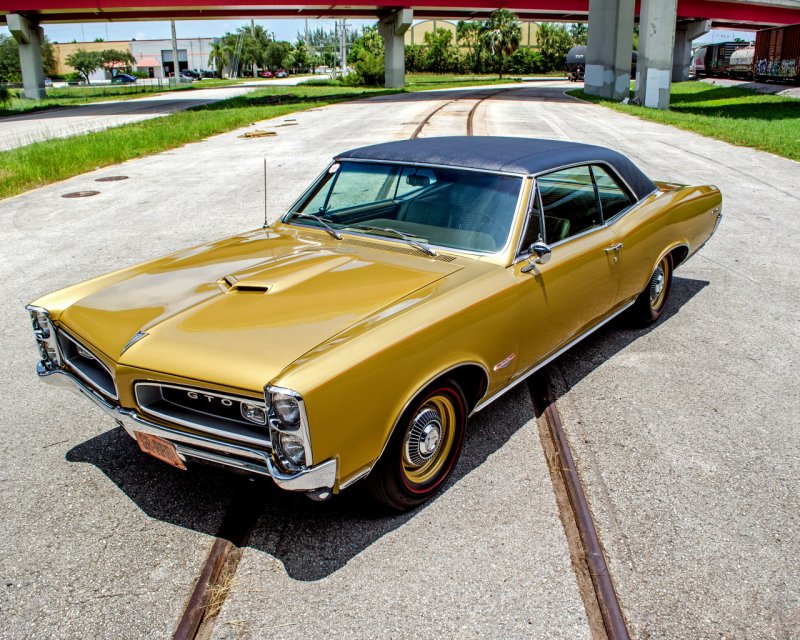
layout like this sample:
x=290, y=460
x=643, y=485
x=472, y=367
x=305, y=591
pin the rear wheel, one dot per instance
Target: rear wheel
x=423, y=449
x=650, y=304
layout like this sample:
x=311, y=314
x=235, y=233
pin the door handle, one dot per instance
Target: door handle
x=615, y=248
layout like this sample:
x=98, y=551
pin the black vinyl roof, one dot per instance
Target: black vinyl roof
x=513, y=155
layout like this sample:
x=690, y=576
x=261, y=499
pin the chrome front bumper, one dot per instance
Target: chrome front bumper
x=318, y=480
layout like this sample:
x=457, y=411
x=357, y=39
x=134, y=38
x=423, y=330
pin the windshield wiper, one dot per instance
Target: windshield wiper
x=411, y=239
x=324, y=224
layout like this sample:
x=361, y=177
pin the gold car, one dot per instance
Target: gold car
x=412, y=284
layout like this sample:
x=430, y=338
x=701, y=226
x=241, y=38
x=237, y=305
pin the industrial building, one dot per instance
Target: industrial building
x=153, y=57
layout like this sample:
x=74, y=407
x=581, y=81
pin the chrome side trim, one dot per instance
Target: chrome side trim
x=355, y=478
x=549, y=359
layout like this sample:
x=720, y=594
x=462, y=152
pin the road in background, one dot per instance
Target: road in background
x=17, y=131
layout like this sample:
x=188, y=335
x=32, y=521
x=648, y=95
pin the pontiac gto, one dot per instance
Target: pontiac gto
x=412, y=284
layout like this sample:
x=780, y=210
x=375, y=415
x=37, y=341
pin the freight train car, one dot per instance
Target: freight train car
x=777, y=54
x=713, y=59
x=741, y=63
x=576, y=63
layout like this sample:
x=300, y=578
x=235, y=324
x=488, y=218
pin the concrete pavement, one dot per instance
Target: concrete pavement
x=17, y=131
x=685, y=435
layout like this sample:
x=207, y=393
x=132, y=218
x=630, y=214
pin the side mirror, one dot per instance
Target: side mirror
x=542, y=252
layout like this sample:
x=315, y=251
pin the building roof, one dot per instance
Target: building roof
x=513, y=155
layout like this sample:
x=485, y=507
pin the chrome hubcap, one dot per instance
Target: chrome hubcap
x=656, y=284
x=424, y=437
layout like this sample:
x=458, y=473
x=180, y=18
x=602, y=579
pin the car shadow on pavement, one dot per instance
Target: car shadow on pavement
x=312, y=539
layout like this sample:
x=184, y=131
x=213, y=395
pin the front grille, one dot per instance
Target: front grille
x=84, y=363
x=204, y=410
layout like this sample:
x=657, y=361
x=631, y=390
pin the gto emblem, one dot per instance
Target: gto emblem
x=196, y=396
x=505, y=362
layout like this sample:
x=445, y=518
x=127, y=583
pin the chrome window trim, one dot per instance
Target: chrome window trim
x=266, y=442
x=80, y=373
x=606, y=223
x=468, y=252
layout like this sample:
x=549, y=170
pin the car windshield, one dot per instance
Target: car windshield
x=452, y=208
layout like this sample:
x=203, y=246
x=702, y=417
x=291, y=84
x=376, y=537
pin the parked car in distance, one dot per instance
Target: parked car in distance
x=265, y=73
x=123, y=78
x=411, y=285
x=191, y=74
x=281, y=73
x=208, y=73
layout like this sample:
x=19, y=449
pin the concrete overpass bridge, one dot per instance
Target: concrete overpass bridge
x=667, y=28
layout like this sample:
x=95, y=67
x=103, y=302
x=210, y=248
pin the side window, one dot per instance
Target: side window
x=569, y=202
x=533, y=225
x=613, y=198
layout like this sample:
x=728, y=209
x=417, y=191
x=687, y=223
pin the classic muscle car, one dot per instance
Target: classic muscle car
x=412, y=284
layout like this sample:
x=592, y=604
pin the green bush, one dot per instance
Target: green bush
x=5, y=96
x=370, y=68
x=73, y=76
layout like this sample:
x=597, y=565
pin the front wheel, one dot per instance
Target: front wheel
x=423, y=449
x=650, y=304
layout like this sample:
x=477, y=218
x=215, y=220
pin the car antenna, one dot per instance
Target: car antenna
x=265, y=193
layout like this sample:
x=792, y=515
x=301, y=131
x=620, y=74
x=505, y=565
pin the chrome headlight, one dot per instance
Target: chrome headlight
x=288, y=428
x=45, y=336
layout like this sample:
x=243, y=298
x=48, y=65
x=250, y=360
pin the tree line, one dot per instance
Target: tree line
x=478, y=46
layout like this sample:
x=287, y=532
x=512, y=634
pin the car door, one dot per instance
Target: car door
x=577, y=287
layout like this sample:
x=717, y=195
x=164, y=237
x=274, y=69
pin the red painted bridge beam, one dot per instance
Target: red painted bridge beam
x=105, y=10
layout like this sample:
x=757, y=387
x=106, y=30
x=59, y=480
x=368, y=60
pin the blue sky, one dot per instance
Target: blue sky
x=284, y=29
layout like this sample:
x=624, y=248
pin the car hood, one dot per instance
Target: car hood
x=238, y=312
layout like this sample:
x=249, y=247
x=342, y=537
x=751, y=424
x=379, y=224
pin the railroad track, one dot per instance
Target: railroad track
x=594, y=580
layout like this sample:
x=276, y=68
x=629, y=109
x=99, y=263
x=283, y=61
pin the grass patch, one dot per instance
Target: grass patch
x=59, y=97
x=41, y=163
x=49, y=161
x=739, y=116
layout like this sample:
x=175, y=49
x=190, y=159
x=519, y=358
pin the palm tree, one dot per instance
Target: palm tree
x=468, y=34
x=219, y=55
x=502, y=33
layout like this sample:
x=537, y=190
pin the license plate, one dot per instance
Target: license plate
x=159, y=448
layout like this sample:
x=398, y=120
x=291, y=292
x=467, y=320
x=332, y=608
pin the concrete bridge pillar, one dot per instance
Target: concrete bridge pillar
x=29, y=36
x=608, y=52
x=685, y=32
x=392, y=29
x=656, y=43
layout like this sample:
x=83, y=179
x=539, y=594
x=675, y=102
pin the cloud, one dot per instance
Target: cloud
x=140, y=35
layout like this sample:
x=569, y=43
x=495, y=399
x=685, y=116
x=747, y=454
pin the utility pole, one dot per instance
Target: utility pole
x=253, y=33
x=175, y=64
x=343, y=48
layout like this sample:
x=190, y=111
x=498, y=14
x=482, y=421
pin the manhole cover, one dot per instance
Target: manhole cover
x=80, y=194
x=112, y=179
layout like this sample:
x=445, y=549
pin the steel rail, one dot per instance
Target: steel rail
x=234, y=532
x=470, y=117
x=610, y=609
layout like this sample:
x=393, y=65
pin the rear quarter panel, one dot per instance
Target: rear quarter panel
x=674, y=216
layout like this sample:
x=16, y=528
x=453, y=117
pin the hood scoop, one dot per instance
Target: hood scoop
x=231, y=284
